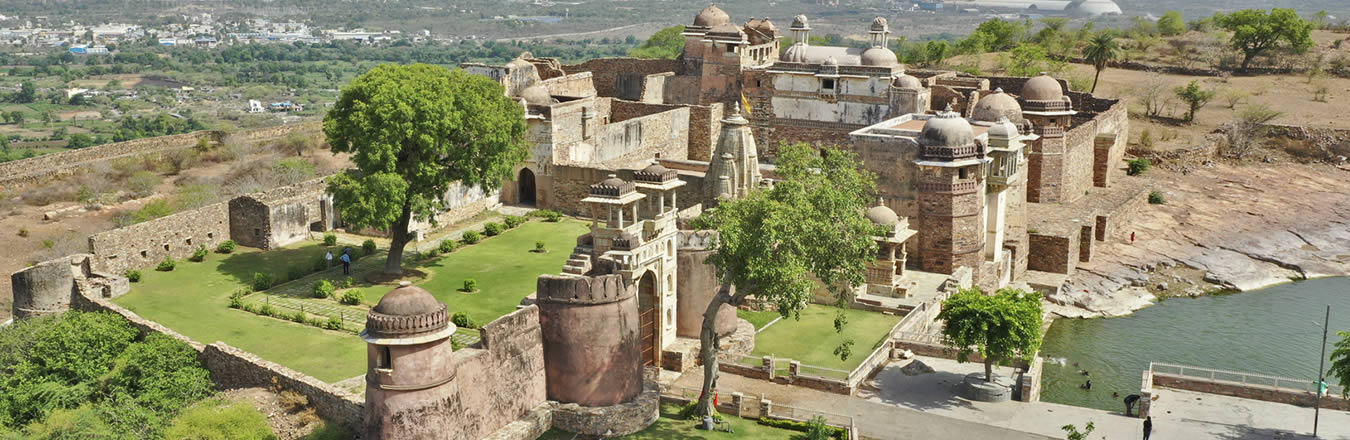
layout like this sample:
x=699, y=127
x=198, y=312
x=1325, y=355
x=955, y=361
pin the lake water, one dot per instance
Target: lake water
x=1274, y=331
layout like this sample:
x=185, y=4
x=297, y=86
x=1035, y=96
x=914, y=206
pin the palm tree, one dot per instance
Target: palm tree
x=1100, y=51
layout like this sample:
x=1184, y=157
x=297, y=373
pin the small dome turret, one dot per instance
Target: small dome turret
x=655, y=173
x=612, y=187
x=800, y=23
x=879, y=25
x=907, y=82
x=537, y=94
x=1042, y=88
x=407, y=311
x=711, y=16
x=882, y=215
x=947, y=136
x=1003, y=129
x=879, y=56
x=997, y=105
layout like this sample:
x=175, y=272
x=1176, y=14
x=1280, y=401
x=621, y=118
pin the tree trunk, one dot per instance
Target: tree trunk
x=709, y=346
x=989, y=369
x=393, y=265
x=1246, y=59
x=1094, y=81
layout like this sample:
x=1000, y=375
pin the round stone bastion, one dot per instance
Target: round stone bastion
x=974, y=387
x=592, y=343
x=610, y=421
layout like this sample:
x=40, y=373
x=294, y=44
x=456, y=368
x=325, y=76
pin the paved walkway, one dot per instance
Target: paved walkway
x=896, y=406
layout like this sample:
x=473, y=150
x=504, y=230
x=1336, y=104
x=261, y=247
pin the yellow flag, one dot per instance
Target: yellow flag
x=745, y=103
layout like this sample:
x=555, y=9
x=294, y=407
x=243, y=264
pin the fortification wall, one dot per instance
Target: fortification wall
x=592, y=348
x=634, y=142
x=233, y=368
x=43, y=289
x=622, y=77
x=146, y=244
x=1079, y=159
x=1054, y=253
x=705, y=129
x=49, y=166
x=575, y=85
x=892, y=162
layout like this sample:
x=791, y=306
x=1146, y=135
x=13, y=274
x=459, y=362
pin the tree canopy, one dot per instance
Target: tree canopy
x=1195, y=98
x=1171, y=23
x=664, y=44
x=1099, y=52
x=413, y=130
x=1255, y=31
x=1340, y=363
x=999, y=327
x=775, y=244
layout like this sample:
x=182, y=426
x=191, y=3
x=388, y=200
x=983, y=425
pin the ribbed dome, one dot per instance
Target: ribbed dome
x=407, y=311
x=997, y=105
x=537, y=95
x=907, y=82
x=1042, y=88
x=879, y=25
x=655, y=173
x=766, y=27
x=882, y=215
x=947, y=129
x=878, y=56
x=795, y=53
x=711, y=16
x=800, y=23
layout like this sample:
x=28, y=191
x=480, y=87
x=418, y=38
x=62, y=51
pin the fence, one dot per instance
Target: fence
x=756, y=407
x=1211, y=374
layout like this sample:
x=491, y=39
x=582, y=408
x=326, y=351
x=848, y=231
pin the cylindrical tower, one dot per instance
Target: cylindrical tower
x=43, y=289
x=592, y=350
x=951, y=195
x=696, y=284
x=408, y=359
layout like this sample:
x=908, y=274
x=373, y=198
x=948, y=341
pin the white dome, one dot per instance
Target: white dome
x=879, y=56
x=1097, y=7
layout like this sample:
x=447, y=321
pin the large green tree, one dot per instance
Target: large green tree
x=666, y=43
x=1171, y=24
x=999, y=327
x=1255, y=31
x=1099, y=52
x=413, y=130
x=774, y=244
x=1340, y=363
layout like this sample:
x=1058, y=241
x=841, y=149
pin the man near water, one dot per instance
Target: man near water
x=1130, y=400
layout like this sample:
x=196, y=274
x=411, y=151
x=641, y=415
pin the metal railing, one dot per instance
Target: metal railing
x=922, y=338
x=1213, y=374
x=789, y=412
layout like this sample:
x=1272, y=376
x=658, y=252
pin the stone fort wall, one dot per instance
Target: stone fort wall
x=46, y=167
x=623, y=77
x=174, y=236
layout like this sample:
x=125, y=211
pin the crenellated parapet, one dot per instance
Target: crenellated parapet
x=596, y=289
x=401, y=326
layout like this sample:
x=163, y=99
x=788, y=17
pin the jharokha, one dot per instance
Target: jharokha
x=980, y=180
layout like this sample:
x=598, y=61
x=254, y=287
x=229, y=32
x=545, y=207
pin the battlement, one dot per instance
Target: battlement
x=695, y=240
x=590, y=289
x=402, y=326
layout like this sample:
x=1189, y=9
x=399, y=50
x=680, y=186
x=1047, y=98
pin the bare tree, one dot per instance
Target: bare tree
x=1153, y=94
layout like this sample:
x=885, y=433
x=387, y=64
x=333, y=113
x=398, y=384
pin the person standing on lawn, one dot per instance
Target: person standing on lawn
x=347, y=262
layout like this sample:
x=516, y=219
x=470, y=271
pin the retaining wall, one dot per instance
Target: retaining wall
x=1248, y=391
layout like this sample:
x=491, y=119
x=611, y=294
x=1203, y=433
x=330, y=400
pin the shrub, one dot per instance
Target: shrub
x=492, y=229
x=212, y=419
x=329, y=431
x=352, y=297
x=471, y=237
x=334, y=323
x=296, y=272
x=434, y=253
x=1146, y=139
x=446, y=246
x=167, y=265
x=250, y=308
x=806, y=427
x=1138, y=166
x=1156, y=197
x=514, y=220
x=237, y=299
x=267, y=310
x=323, y=289
x=462, y=320
x=818, y=430
x=539, y=246
x=329, y=239
x=368, y=246
x=199, y=255
x=348, y=282
x=133, y=275
x=320, y=264
x=470, y=285
x=23, y=232
x=261, y=281
x=226, y=246
x=316, y=322
x=548, y=215
x=143, y=183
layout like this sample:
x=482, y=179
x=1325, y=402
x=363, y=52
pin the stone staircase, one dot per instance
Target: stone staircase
x=580, y=261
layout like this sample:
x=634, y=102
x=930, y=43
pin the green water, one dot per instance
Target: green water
x=1275, y=331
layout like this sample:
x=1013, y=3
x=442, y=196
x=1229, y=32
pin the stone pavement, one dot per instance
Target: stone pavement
x=896, y=406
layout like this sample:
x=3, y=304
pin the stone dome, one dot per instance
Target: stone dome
x=407, y=311
x=882, y=215
x=947, y=129
x=831, y=61
x=879, y=56
x=655, y=173
x=612, y=187
x=1003, y=129
x=766, y=27
x=1042, y=88
x=907, y=82
x=879, y=25
x=711, y=16
x=800, y=23
x=997, y=105
x=537, y=95
x=795, y=53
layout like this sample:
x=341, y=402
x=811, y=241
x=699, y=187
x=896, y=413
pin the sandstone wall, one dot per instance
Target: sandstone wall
x=1053, y=253
x=622, y=77
x=705, y=129
x=146, y=244
x=634, y=142
x=46, y=167
x=43, y=289
x=892, y=160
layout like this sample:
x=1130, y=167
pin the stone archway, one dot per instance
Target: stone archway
x=525, y=187
x=647, y=317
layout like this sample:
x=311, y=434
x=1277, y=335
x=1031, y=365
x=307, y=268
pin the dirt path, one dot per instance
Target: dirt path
x=1226, y=227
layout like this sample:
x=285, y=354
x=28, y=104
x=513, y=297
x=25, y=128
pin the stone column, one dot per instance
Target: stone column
x=765, y=407
x=769, y=365
x=737, y=399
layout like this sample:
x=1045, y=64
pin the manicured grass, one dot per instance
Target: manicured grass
x=812, y=340
x=669, y=427
x=193, y=300
x=759, y=319
x=505, y=267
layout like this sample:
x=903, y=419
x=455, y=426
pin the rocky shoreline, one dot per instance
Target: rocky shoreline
x=1224, y=228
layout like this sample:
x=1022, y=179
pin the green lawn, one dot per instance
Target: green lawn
x=669, y=427
x=504, y=266
x=812, y=340
x=194, y=298
x=758, y=319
